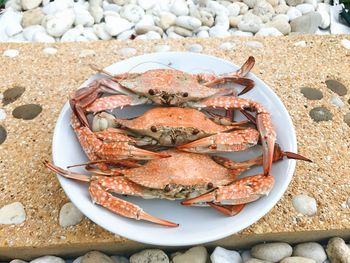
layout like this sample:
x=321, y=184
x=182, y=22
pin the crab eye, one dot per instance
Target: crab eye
x=167, y=188
x=195, y=131
x=185, y=94
x=154, y=129
x=151, y=92
x=210, y=186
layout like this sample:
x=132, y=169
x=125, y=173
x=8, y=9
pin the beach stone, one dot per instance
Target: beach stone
x=345, y=43
x=326, y=19
x=115, y=25
x=264, y=10
x=145, y=29
x=131, y=12
x=48, y=259
x=300, y=44
x=304, y=204
x=310, y=250
x=29, y=31
x=203, y=34
x=347, y=121
x=305, y=8
x=307, y=23
x=18, y=261
x=254, y=44
x=60, y=22
x=297, y=260
x=221, y=255
x=96, y=256
x=87, y=53
x=83, y=16
x=282, y=17
x=27, y=112
x=217, y=8
x=101, y=32
x=273, y=252
x=179, y=8
x=3, y=134
x=233, y=9
x=11, y=53
x=2, y=115
x=311, y=93
x=30, y=4
x=57, y=6
x=321, y=114
x=128, y=34
x=227, y=46
x=293, y=13
x=119, y=259
x=193, y=255
x=250, y=23
x=269, y=31
x=241, y=33
x=12, y=214
x=188, y=22
x=149, y=255
x=12, y=94
x=336, y=86
x=89, y=34
x=167, y=20
x=281, y=9
x=206, y=18
x=255, y=260
x=50, y=50
x=246, y=255
x=338, y=251
x=336, y=101
x=250, y=3
x=294, y=2
x=70, y=215
x=32, y=17
x=182, y=31
x=244, y=8
x=96, y=11
x=173, y=35
x=218, y=31
x=197, y=48
x=42, y=37
x=234, y=21
x=222, y=21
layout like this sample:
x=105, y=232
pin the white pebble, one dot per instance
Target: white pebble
x=82, y=16
x=29, y=32
x=336, y=101
x=203, y=34
x=50, y=50
x=97, y=12
x=115, y=25
x=12, y=214
x=250, y=23
x=101, y=32
x=57, y=6
x=305, y=8
x=72, y=34
x=254, y=44
x=12, y=29
x=233, y=9
x=48, y=259
x=60, y=22
x=326, y=19
x=11, y=53
x=300, y=44
x=131, y=12
x=147, y=4
x=217, y=8
x=69, y=215
x=128, y=51
x=197, y=48
x=2, y=115
x=305, y=205
x=42, y=37
x=293, y=13
x=221, y=255
x=188, y=22
x=273, y=252
x=246, y=255
x=218, y=31
x=179, y=8
x=162, y=48
x=126, y=34
x=174, y=35
x=87, y=53
x=227, y=46
x=242, y=33
x=18, y=261
x=345, y=43
x=269, y=31
x=310, y=250
x=167, y=20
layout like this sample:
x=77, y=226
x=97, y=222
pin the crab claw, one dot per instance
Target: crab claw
x=229, y=210
x=238, y=140
x=242, y=191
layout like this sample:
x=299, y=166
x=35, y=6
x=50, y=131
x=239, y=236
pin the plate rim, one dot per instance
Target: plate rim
x=290, y=168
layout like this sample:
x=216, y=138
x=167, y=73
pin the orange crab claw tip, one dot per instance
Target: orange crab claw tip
x=153, y=219
x=229, y=210
x=296, y=156
x=208, y=197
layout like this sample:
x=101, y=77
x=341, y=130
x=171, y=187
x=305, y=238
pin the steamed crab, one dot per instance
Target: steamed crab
x=212, y=180
x=175, y=88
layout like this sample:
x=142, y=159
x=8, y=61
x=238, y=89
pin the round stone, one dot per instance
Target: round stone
x=254, y=44
x=11, y=53
x=70, y=215
x=32, y=17
x=48, y=259
x=301, y=43
x=345, y=43
x=131, y=12
x=96, y=256
x=27, y=112
x=273, y=252
x=227, y=46
x=297, y=260
x=50, y=50
x=336, y=101
x=149, y=255
x=321, y=114
x=311, y=93
x=311, y=250
x=3, y=134
x=2, y=115
x=336, y=87
x=337, y=250
x=12, y=94
x=195, y=255
x=305, y=205
x=347, y=121
x=120, y=259
x=221, y=255
x=197, y=48
x=12, y=213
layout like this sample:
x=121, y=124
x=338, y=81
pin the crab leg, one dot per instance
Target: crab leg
x=230, y=210
x=242, y=191
x=238, y=140
x=263, y=121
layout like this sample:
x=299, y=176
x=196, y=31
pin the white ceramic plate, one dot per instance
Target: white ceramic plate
x=197, y=224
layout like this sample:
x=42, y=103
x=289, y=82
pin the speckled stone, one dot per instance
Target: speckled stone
x=336, y=87
x=338, y=251
x=149, y=255
x=311, y=93
x=96, y=256
x=27, y=112
x=272, y=251
x=12, y=94
x=321, y=114
x=311, y=250
x=347, y=119
x=3, y=134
